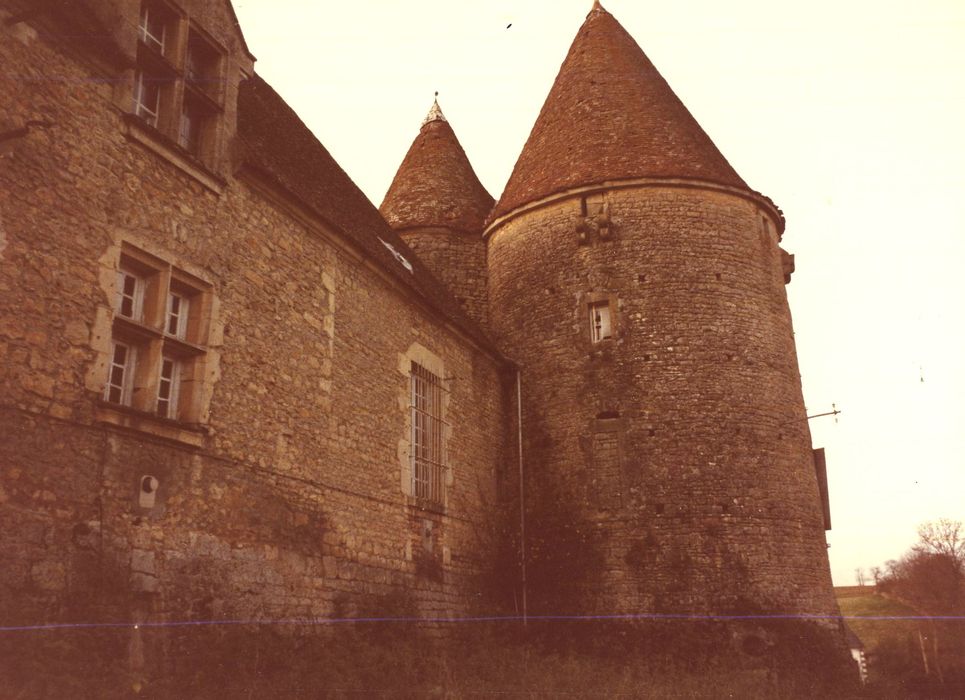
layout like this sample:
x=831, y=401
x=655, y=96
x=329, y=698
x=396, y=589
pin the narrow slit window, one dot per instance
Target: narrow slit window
x=167, y=388
x=601, y=326
x=120, y=376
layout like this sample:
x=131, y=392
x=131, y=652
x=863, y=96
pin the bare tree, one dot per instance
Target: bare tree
x=859, y=575
x=876, y=574
x=931, y=579
x=943, y=536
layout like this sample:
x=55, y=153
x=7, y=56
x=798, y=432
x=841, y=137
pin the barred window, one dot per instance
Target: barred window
x=428, y=436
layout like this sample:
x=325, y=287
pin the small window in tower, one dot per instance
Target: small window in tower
x=600, y=321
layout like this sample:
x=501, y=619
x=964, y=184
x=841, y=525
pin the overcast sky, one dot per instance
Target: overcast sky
x=848, y=113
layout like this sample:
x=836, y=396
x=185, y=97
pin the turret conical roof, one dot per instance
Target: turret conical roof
x=610, y=115
x=436, y=185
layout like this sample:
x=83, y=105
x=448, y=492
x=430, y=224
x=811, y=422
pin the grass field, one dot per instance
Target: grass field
x=860, y=606
x=893, y=647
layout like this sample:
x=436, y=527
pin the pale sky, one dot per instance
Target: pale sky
x=849, y=114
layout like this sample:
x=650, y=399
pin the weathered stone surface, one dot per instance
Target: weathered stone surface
x=288, y=500
x=705, y=497
x=668, y=466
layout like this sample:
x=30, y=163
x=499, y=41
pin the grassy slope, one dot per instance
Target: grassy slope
x=859, y=603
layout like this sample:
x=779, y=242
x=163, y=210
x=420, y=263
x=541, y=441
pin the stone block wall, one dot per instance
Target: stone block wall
x=288, y=499
x=677, y=450
x=458, y=259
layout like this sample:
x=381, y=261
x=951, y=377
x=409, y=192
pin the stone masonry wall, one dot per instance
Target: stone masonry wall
x=679, y=448
x=288, y=501
x=459, y=260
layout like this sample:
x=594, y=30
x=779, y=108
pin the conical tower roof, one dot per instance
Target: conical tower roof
x=610, y=116
x=436, y=185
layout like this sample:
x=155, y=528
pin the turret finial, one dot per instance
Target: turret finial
x=435, y=113
x=597, y=7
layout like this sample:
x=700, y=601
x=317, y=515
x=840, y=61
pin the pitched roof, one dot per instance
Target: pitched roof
x=436, y=185
x=279, y=146
x=609, y=116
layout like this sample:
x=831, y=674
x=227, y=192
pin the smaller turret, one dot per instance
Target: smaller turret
x=438, y=206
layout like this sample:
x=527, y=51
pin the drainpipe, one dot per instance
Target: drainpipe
x=522, y=511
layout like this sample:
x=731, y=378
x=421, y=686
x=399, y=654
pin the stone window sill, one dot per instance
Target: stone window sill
x=424, y=505
x=191, y=434
x=159, y=144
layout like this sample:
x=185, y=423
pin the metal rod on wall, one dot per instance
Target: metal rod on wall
x=522, y=512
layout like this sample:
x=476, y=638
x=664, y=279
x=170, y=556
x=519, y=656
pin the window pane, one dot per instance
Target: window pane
x=167, y=391
x=147, y=98
x=600, y=322
x=152, y=28
x=119, y=375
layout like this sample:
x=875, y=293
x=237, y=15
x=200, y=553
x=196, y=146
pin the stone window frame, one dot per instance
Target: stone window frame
x=588, y=301
x=170, y=375
x=177, y=102
x=428, y=445
x=601, y=322
x=419, y=355
x=611, y=496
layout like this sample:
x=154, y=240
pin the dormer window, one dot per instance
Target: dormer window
x=154, y=26
x=202, y=67
x=178, y=85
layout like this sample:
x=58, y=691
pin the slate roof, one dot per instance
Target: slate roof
x=279, y=146
x=610, y=115
x=436, y=185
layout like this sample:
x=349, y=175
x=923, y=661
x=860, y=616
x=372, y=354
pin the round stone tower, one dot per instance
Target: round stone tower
x=638, y=283
x=438, y=206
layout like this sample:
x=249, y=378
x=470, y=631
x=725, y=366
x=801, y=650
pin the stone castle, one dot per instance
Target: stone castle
x=234, y=389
